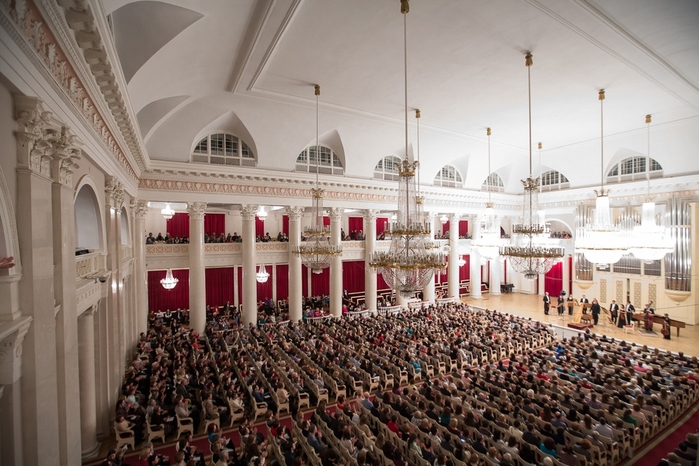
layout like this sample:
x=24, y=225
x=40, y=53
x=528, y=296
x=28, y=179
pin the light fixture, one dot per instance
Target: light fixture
x=488, y=242
x=462, y=261
x=650, y=241
x=444, y=219
x=524, y=254
x=169, y=282
x=167, y=212
x=262, y=275
x=316, y=252
x=602, y=242
x=261, y=213
x=410, y=262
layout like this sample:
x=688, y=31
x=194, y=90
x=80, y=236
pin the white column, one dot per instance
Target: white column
x=295, y=279
x=336, y=264
x=475, y=264
x=249, y=311
x=139, y=210
x=88, y=407
x=495, y=280
x=197, y=275
x=453, y=283
x=401, y=300
x=370, y=280
x=566, y=275
x=542, y=284
x=428, y=291
x=11, y=420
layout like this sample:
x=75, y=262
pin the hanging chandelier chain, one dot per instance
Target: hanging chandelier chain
x=489, y=172
x=317, y=92
x=648, y=157
x=601, y=119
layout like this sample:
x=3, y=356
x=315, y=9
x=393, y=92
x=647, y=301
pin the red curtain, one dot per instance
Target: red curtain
x=353, y=276
x=463, y=228
x=219, y=286
x=304, y=281
x=504, y=268
x=282, y=281
x=380, y=283
x=326, y=221
x=356, y=224
x=445, y=227
x=259, y=227
x=264, y=290
x=285, y=226
x=178, y=225
x=320, y=282
x=240, y=286
x=381, y=225
x=215, y=224
x=160, y=299
x=465, y=270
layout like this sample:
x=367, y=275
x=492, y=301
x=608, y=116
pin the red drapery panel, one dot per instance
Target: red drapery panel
x=380, y=283
x=160, y=299
x=381, y=225
x=504, y=269
x=463, y=228
x=326, y=221
x=259, y=227
x=215, y=224
x=240, y=286
x=465, y=270
x=353, y=276
x=282, y=281
x=178, y=225
x=304, y=281
x=264, y=290
x=553, y=281
x=320, y=282
x=219, y=286
x=285, y=226
x=445, y=227
x=356, y=224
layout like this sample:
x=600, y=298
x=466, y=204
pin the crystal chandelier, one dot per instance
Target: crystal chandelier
x=261, y=213
x=411, y=261
x=650, y=241
x=167, y=212
x=169, y=282
x=316, y=252
x=602, y=242
x=262, y=276
x=488, y=242
x=525, y=255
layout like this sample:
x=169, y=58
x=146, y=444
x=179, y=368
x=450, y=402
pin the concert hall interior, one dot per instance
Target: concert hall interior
x=338, y=213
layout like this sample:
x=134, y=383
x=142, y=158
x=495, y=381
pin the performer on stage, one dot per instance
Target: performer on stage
x=621, y=320
x=666, y=327
x=596, y=309
x=561, y=305
x=547, y=303
x=648, y=319
x=614, y=311
x=629, y=312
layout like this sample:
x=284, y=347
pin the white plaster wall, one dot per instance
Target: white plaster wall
x=8, y=143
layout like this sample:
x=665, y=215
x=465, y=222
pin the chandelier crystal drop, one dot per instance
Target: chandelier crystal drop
x=317, y=252
x=488, y=241
x=603, y=242
x=262, y=275
x=523, y=253
x=650, y=240
x=167, y=212
x=411, y=260
x=169, y=282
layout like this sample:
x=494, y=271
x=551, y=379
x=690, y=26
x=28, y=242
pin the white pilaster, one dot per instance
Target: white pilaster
x=370, y=280
x=566, y=274
x=336, y=264
x=475, y=265
x=88, y=406
x=295, y=280
x=453, y=279
x=197, y=276
x=249, y=311
x=140, y=209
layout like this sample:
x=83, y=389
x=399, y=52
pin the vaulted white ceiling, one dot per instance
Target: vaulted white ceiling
x=248, y=67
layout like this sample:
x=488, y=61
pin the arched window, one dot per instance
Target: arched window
x=633, y=168
x=553, y=179
x=448, y=176
x=223, y=149
x=88, y=224
x=321, y=159
x=388, y=168
x=493, y=183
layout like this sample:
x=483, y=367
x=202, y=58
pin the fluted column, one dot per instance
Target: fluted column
x=428, y=291
x=295, y=214
x=475, y=264
x=140, y=209
x=336, y=264
x=370, y=295
x=247, y=212
x=88, y=406
x=453, y=283
x=197, y=275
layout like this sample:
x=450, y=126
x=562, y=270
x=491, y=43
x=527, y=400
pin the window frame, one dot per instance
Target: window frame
x=383, y=173
x=453, y=177
x=487, y=185
x=633, y=168
x=325, y=161
x=224, y=149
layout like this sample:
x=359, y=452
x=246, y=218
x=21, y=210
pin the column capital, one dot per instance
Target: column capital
x=139, y=208
x=455, y=217
x=65, y=152
x=89, y=312
x=336, y=213
x=370, y=215
x=32, y=148
x=196, y=210
x=11, y=354
x=114, y=191
x=248, y=211
x=295, y=212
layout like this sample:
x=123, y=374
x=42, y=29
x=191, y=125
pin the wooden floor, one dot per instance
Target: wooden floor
x=532, y=306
